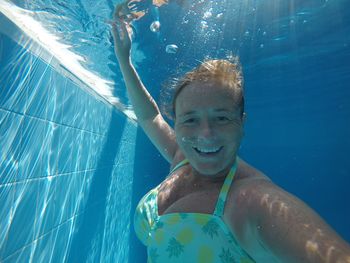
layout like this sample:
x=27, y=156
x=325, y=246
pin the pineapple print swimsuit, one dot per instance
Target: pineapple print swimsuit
x=187, y=237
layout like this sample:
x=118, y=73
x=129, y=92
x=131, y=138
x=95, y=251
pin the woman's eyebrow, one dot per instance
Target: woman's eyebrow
x=187, y=113
x=223, y=110
x=191, y=112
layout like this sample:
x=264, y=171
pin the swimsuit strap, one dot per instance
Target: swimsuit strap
x=220, y=205
x=183, y=162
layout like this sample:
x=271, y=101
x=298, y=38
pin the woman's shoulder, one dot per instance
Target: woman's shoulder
x=246, y=172
x=246, y=180
x=246, y=193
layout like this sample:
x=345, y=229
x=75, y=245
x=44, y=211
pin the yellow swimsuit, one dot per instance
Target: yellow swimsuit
x=187, y=237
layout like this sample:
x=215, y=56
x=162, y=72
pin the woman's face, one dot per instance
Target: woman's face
x=208, y=126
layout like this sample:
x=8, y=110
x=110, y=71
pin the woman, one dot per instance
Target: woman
x=213, y=206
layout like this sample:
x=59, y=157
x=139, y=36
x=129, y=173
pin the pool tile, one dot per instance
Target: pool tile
x=10, y=145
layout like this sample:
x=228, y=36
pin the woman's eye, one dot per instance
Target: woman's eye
x=223, y=119
x=189, y=121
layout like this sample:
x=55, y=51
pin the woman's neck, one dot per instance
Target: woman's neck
x=200, y=180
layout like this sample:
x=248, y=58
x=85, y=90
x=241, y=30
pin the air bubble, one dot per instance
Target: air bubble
x=171, y=49
x=155, y=26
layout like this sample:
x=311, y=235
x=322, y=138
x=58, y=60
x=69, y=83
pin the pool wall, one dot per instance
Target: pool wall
x=66, y=167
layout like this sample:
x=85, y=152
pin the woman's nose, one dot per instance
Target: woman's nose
x=206, y=129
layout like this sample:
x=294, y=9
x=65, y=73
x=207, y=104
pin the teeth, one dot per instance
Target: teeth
x=208, y=150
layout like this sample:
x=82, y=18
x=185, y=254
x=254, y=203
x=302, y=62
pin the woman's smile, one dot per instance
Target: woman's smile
x=207, y=151
x=204, y=148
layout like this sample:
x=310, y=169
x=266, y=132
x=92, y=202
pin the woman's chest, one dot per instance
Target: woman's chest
x=193, y=202
x=178, y=195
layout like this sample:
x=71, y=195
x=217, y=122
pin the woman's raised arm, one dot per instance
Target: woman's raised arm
x=146, y=109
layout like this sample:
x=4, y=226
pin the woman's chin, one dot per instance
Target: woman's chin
x=211, y=169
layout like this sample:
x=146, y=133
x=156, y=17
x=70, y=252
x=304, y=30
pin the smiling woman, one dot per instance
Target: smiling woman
x=208, y=125
x=213, y=206
x=72, y=168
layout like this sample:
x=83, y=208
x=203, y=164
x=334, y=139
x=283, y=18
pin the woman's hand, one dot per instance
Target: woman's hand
x=122, y=32
x=139, y=6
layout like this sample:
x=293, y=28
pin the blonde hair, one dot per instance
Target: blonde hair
x=221, y=70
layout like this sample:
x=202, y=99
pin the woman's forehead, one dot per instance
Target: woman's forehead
x=194, y=98
x=211, y=91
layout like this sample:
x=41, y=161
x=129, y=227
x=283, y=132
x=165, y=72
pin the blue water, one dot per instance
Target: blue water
x=73, y=166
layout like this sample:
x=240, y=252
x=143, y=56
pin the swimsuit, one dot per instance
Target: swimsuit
x=187, y=237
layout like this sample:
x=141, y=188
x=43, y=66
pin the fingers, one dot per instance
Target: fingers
x=119, y=11
x=133, y=8
x=121, y=22
x=136, y=6
x=127, y=11
x=120, y=29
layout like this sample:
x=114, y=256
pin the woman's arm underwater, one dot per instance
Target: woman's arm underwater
x=284, y=228
x=146, y=109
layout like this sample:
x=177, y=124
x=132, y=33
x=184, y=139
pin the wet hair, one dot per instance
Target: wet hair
x=223, y=71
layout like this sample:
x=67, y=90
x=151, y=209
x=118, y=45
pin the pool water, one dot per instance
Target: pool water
x=74, y=163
